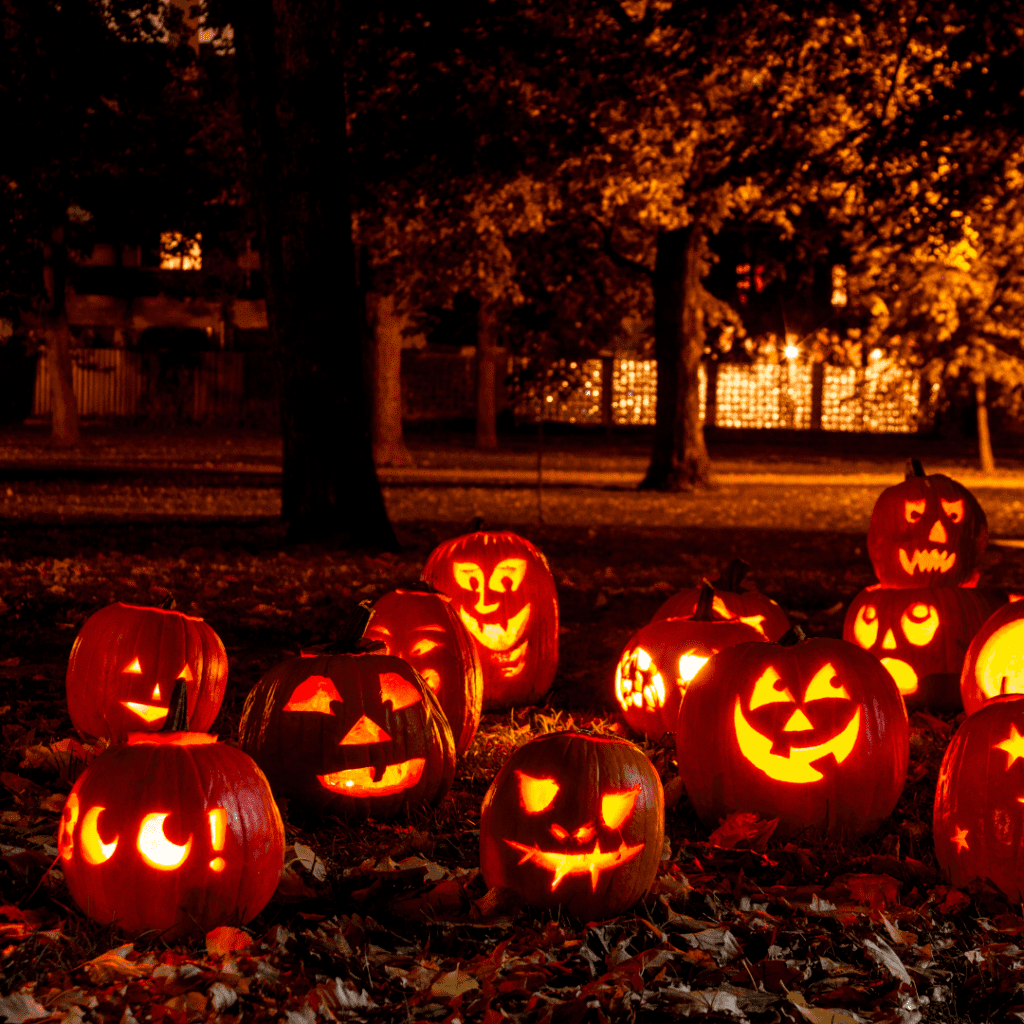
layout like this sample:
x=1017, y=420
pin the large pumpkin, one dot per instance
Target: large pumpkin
x=812, y=732
x=921, y=636
x=732, y=602
x=657, y=664
x=125, y=662
x=927, y=531
x=575, y=821
x=505, y=596
x=172, y=833
x=979, y=800
x=423, y=628
x=994, y=663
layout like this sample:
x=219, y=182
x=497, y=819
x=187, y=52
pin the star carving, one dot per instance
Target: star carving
x=960, y=840
x=1013, y=745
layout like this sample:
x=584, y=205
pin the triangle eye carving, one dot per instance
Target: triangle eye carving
x=314, y=694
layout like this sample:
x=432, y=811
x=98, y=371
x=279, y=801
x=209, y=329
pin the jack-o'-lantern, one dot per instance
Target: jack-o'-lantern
x=658, y=663
x=812, y=732
x=357, y=735
x=732, y=603
x=921, y=636
x=994, y=663
x=125, y=662
x=576, y=821
x=422, y=627
x=979, y=799
x=505, y=596
x=928, y=531
x=173, y=833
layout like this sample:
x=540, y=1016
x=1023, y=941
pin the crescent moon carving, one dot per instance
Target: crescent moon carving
x=156, y=849
x=94, y=850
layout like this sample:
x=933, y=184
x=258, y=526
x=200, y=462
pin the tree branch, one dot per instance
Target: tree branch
x=623, y=262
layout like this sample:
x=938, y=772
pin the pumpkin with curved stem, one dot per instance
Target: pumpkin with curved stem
x=125, y=662
x=732, y=603
x=575, y=821
x=173, y=833
x=921, y=636
x=812, y=732
x=422, y=627
x=658, y=663
x=978, y=818
x=994, y=663
x=504, y=593
x=927, y=531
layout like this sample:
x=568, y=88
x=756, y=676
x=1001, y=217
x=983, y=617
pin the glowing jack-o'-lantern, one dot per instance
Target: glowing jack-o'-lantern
x=505, y=596
x=920, y=636
x=812, y=732
x=927, y=531
x=125, y=662
x=979, y=799
x=658, y=663
x=574, y=820
x=994, y=663
x=732, y=603
x=423, y=628
x=173, y=833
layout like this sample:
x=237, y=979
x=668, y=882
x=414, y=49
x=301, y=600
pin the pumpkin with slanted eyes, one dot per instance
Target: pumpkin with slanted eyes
x=505, y=596
x=995, y=660
x=812, y=732
x=928, y=531
x=575, y=821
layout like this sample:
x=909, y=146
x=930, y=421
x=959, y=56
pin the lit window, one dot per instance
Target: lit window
x=839, y=285
x=178, y=252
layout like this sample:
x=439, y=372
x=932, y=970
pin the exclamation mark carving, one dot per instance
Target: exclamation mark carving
x=218, y=832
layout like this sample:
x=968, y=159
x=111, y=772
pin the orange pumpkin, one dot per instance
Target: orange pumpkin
x=995, y=659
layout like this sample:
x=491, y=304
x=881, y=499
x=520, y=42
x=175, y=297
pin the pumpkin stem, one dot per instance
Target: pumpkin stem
x=705, y=603
x=177, y=709
x=792, y=637
x=167, y=604
x=732, y=579
x=477, y=524
x=351, y=640
x=914, y=468
x=421, y=587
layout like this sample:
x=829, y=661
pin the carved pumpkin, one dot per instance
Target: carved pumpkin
x=812, y=732
x=732, y=602
x=927, y=531
x=979, y=800
x=658, y=663
x=423, y=628
x=576, y=821
x=920, y=636
x=125, y=662
x=994, y=663
x=504, y=593
x=172, y=833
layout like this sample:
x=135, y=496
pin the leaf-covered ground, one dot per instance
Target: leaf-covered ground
x=391, y=921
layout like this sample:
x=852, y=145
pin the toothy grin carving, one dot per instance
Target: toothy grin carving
x=927, y=561
x=506, y=641
x=562, y=864
x=149, y=713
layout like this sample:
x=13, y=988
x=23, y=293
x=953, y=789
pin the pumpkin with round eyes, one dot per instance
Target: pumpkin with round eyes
x=927, y=531
x=978, y=820
x=994, y=663
x=125, y=662
x=173, y=833
x=732, y=603
x=575, y=821
x=504, y=593
x=812, y=732
x=657, y=664
x=921, y=636
x=422, y=627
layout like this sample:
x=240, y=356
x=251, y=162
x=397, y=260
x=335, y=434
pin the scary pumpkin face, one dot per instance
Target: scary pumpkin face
x=359, y=735
x=994, y=663
x=920, y=636
x=424, y=629
x=574, y=820
x=172, y=833
x=125, y=662
x=927, y=531
x=811, y=732
x=504, y=593
x=979, y=799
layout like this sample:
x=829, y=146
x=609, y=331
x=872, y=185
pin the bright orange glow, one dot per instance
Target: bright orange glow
x=1013, y=745
x=149, y=713
x=186, y=674
x=889, y=643
x=366, y=730
x=563, y=864
x=175, y=739
x=937, y=534
x=68, y=820
x=432, y=678
x=755, y=622
x=913, y=510
x=960, y=840
x=798, y=722
x=865, y=626
x=422, y=647
x=218, y=864
x=920, y=624
x=927, y=561
x=493, y=635
x=689, y=666
x=903, y=674
x=823, y=686
x=156, y=849
x=399, y=691
x=765, y=691
x=155, y=695
x=1000, y=665
x=536, y=795
x=218, y=827
x=314, y=694
x=617, y=807
x=954, y=510
x=360, y=781
x=134, y=668
x=508, y=575
x=94, y=850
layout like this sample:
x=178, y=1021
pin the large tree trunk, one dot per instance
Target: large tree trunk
x=985, y=456
x=292, y=91
x=63, y=410
x=679, y=457
x=388, y=442
x=486, y=389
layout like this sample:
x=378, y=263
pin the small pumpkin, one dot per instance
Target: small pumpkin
x=504, y=593
x=994, y=663
x=575, y=821
x=657, y=664
x=173, y=833
x=927, y=531
x=124, y=664
x=812, y=732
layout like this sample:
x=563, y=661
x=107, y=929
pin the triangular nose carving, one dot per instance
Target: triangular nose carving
x=889, y=643
x=798, y=722
x=366, y=730
x=938, y=534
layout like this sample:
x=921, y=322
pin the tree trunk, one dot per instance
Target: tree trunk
x=290, y=61
x=987, y=459
x=388, y=443
x=63, y=410
x=679, y=457
x=486, y=391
